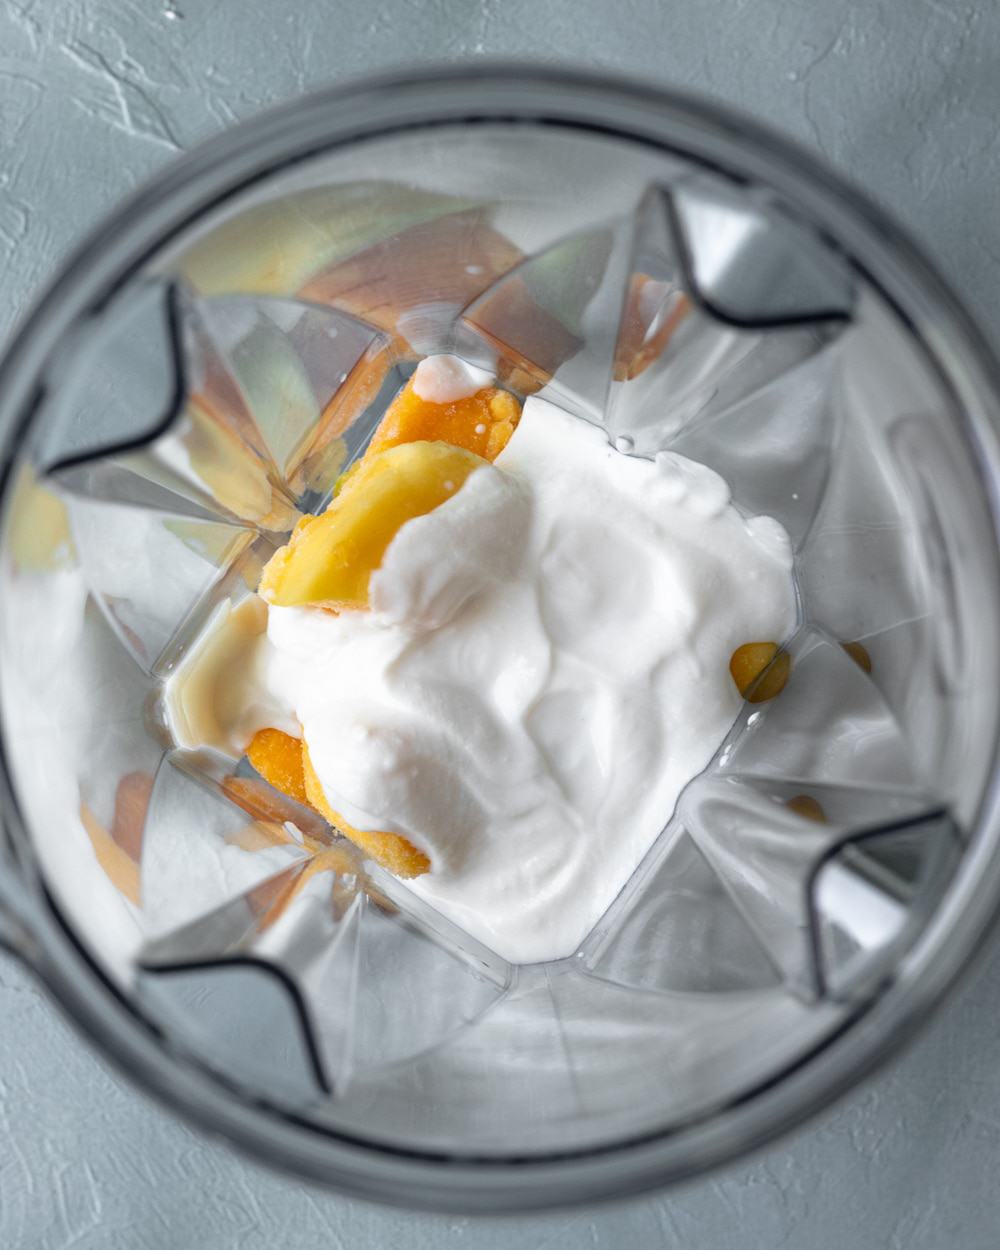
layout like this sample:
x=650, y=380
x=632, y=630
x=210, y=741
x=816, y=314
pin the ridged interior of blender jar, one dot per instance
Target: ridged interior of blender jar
x=222, y=394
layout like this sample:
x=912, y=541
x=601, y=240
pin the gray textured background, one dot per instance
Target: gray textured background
x=904, y=97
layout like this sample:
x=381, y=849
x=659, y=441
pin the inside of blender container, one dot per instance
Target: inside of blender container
x=210, y=403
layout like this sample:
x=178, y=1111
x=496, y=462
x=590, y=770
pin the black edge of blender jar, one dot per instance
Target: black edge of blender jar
x=941, y=813
x=287, y=983
x=173, y=409
x=833, y=318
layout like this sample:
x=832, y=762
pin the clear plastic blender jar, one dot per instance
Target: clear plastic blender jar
x=199, y=374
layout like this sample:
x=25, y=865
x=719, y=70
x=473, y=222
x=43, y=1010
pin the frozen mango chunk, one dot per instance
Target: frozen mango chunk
x=131, y=804
x=391, y=850
x=272, y=817
x=481, y=423
x=653, y=312
x=283, y=761
x=338, y=860
x=807, y=807
x=120, y=868
x=277, y=757
x=330, y=558
x=859, y=654
x=760, y=670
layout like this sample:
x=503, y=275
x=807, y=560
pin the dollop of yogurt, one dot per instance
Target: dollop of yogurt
x=444, y=379
x=543, y=669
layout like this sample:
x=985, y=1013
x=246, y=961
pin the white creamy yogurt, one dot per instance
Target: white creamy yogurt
x=443, y=379
x=544, y=668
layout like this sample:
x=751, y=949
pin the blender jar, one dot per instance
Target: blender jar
x=197, y=377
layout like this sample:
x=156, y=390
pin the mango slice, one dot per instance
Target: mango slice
x=284, y=762
x=120, y=868
x=330, y=558
x=391, y=850
x=131, y=804
x=277, y=757
x=481, y=423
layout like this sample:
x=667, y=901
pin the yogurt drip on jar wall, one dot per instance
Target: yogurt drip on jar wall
x=543, y=669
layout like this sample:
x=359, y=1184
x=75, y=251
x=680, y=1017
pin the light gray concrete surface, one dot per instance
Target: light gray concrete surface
x=901, y=95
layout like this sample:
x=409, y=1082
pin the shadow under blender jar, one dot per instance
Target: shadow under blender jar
x=201, y=374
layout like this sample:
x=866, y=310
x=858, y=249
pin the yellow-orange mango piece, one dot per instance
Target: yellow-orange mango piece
x=807, y=807
x=330, y=558
x=273, y=902
x=277, y=756
x=129, y=819
x=481, y=423
x=120, y=868
x=859, y=654
x=638, y=343
x=283, y=761
x=391, y=850
x=760, y=670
